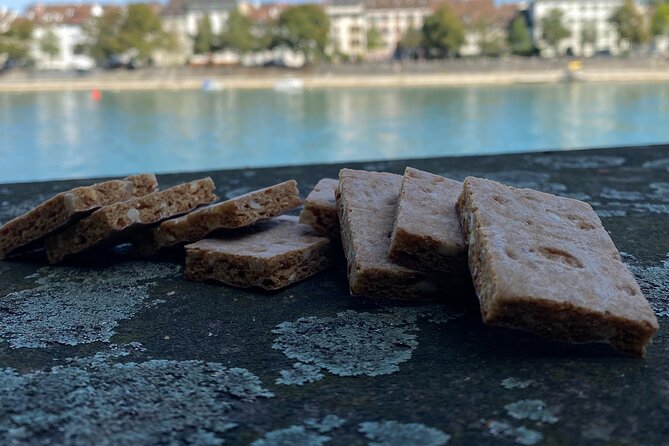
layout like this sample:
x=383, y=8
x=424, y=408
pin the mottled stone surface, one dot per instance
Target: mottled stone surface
x=199, y=362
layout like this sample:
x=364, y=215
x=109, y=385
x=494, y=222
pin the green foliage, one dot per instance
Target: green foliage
x=103, y=34
x=137, y=31
x=15, y=42
x=304, y=28
x=141, y=31
x=443, y=32
x=553, y=30
x=374, y=39
x=205, y=41
x=239, y=34
x=487, y=39
x=629, y=22
x=411, y=39
x=519, y=38
x=49, y=43
x=589, y=34
x=659, y=22
x=21, y=29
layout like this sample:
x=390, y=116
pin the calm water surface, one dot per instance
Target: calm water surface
x=66, y=135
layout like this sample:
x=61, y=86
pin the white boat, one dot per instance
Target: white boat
x=289, y=84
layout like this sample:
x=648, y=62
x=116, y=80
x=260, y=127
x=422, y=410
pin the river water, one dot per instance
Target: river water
x=68, y=135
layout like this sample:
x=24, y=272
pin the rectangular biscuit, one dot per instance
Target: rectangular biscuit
x=546, y=264
x=114, y=223
x=271, y=254
x=366, y=203
x=427, y=235
x=28, y=230
x=320, y=208
x=234, y=213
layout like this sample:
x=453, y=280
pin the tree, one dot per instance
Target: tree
x=304, y=28
x=629, y=22
x=15, y=42
x=411, y=39
x=553, y=31
x=374, y=39
x=141, y=31
x=103, y=35
x=49, y=43
x=136, y=32
x=659, y=22
x=588, y=35
x=443, y=32
x=489, y=43
x=239, y=34
x=204, y=39
x=519, y=37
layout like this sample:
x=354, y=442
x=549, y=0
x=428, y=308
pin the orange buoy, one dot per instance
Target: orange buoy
x=96, y=94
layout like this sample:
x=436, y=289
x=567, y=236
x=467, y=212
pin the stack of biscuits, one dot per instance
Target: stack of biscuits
x=536, y=262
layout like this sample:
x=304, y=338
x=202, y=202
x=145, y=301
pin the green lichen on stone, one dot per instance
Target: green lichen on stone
x=393, y=433
x=336, y=343
x=293, y=436
x=72, y=306
x=300, y=374
x=515, y=383
x=135, y=403
x=327, y=424
x=534, y=410
x=561, y=161
x=654, y=282
x=520, y=434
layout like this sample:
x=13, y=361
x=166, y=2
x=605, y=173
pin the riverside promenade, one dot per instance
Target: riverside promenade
x=119, y=350
x=405, y=74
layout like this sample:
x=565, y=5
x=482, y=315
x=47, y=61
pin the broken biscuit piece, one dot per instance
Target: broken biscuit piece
x=114, y=223
x=546, y=264
x=366, y=203
x=271, y=254
x=320, y=208
x=427, y=235
x=234, y=213
x=28, y=230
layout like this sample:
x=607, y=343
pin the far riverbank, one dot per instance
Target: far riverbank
x=451, y=73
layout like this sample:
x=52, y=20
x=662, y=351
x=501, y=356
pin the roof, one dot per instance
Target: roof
x=70, y=14
x=472, y=11
x=264, y=13
x=397, y=4
x=179, y=7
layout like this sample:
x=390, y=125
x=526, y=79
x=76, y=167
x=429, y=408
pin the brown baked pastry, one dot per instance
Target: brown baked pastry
x=115, y=223
x=234, y=213
x=427, y=235
x=271, y=254
x=546, y=264
x=320, y=208
x=29, y=230
x=366, y=203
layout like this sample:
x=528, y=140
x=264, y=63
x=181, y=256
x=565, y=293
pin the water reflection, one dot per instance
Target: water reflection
x=58, y=135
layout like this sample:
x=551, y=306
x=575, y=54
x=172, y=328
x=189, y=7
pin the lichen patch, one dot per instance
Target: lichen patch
x=393, y=433
x=73, y=306
x=534, y=410
x=333, y=343
x=95, y=401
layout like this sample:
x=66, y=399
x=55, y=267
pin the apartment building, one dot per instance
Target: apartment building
x=579, y=17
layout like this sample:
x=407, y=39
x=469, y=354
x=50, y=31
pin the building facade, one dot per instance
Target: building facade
x=62, y=28
x=582, y=18
x=393, y=18
x=348, y=28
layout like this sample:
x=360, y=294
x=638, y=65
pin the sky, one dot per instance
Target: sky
x=20, y=5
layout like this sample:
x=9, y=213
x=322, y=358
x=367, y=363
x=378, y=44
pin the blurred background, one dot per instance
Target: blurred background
x=107, y=89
